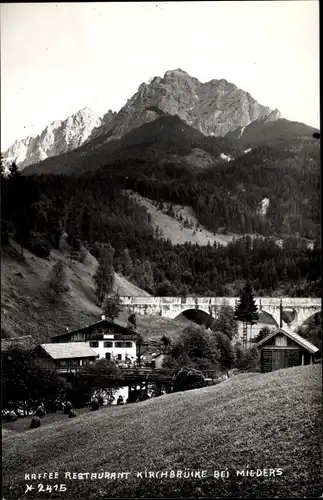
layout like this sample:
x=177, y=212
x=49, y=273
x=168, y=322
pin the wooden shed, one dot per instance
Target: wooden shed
x=282, y=349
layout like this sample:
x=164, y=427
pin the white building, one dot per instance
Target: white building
x=108, y=339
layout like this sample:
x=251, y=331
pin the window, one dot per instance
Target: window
x=94, y=343
x=123, y=344
x=281, y=341
x=108, y=344
x=108, y=355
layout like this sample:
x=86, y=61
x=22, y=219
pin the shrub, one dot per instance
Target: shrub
x=247, y=359
x=95, y=404
x=35, y=422
x=57, y=283
x=68, y=407
x=39, y=245
x=188, y=378
x=40, y=412
x=11, y=416
x=72, y=414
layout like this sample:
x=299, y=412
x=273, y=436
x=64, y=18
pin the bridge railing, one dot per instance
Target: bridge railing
x=159, y=301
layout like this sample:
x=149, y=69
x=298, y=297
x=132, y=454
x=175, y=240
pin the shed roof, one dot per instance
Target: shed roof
x=293, y=336
x=69, y=350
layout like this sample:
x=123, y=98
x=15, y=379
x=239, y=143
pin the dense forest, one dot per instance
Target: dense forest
x=37, y=210
x=227, y=198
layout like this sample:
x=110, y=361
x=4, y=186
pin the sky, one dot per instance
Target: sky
x=59, y=58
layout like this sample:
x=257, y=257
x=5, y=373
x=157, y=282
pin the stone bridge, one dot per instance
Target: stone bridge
x=171, y=307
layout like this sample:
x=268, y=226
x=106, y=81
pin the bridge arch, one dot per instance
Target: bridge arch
x=267, y=318
x=200, y=316
x=314, y=316
x=272, y=313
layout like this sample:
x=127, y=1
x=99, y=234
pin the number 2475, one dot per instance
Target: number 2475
x=47, y=488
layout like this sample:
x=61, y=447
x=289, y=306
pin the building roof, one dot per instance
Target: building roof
x=69, y=350
x=293, y=336
x=103, y=322
x=26, y=342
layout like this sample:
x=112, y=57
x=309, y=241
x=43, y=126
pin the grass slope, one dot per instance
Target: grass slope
x=172, y=229
x=270, y=421
x=25, y=308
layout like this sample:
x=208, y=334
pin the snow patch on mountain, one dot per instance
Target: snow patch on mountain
x=226, y=157
x=241, y=132
x=263, y=206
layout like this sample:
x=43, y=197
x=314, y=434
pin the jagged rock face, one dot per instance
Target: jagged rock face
x=214, y=108
x=59, y=137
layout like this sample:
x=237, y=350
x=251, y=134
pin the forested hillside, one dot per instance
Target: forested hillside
x=92, y=210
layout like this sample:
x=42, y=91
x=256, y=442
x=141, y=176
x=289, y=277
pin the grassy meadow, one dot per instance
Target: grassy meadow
x=249, y=422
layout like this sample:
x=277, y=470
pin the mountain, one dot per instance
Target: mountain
x=166, y=139
x=59, y=137
x=214, y=108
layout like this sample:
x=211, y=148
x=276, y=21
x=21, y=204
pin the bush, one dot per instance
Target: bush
x=188, y=378
x=40, y=412
x=39, y=245
x=35, y=422
x=68, y=407
x=11, y=416
x=95, y=404
x=57, y=281
x=247, y=359
x=72, y=414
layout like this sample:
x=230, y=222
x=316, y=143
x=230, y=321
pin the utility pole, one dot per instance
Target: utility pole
x=281, y=313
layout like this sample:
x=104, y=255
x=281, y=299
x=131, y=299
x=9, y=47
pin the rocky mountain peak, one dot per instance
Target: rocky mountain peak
x=58, y=137
x=214, y=108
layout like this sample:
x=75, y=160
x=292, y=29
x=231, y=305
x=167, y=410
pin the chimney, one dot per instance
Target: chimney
x=102, y=317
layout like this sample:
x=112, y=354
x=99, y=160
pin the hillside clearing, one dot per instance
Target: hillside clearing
x=172, y=229
x=154, y=327
x=258, y=422
x=25, y=308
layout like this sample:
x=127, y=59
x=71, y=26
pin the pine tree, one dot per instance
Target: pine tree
x=246, y=310
x=112, y=306
x=104, y=275
x=86, y=224
x=132, y=322
x=139, y=346
x=73, y=231
x=126, y=263
x=165, y=343
x=13, y=171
